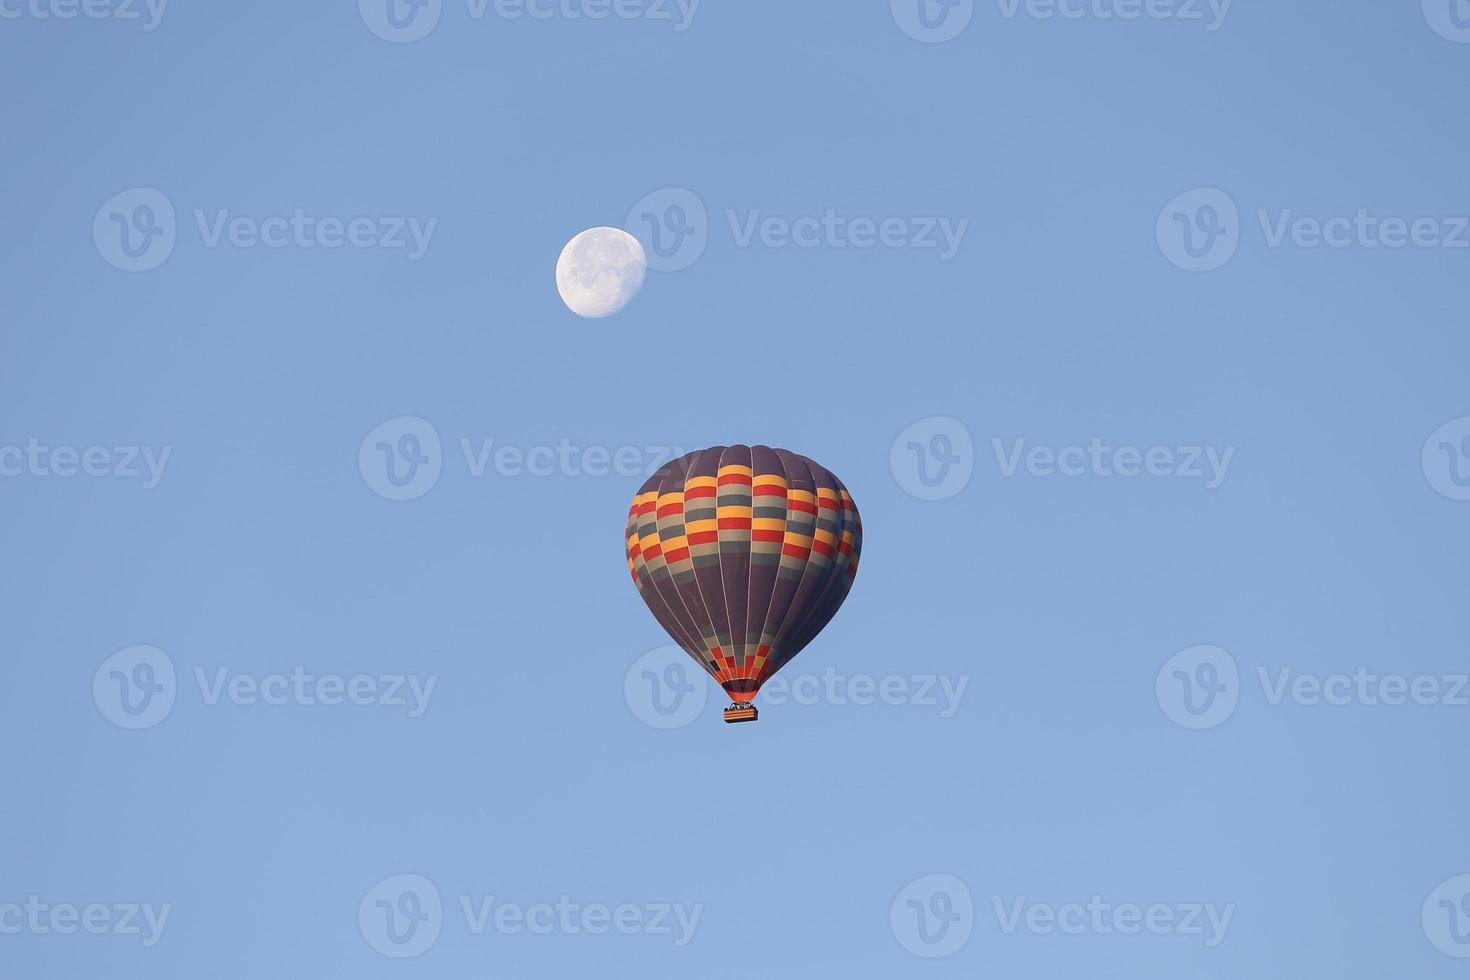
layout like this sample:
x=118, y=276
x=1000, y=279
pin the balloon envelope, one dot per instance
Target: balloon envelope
x=743, y=554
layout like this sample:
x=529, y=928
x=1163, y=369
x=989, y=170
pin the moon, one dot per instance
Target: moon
x=599, y=271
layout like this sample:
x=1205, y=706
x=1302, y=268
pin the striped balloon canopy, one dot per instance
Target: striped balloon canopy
x=744, y=554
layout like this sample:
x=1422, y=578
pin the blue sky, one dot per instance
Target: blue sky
x=1137, y=332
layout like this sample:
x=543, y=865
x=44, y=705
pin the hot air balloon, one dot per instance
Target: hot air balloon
x=743, y=553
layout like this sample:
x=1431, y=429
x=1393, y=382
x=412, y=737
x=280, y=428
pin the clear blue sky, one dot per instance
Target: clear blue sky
x=267, y=542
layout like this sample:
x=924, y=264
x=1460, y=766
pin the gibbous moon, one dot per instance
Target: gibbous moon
x=599, y=271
